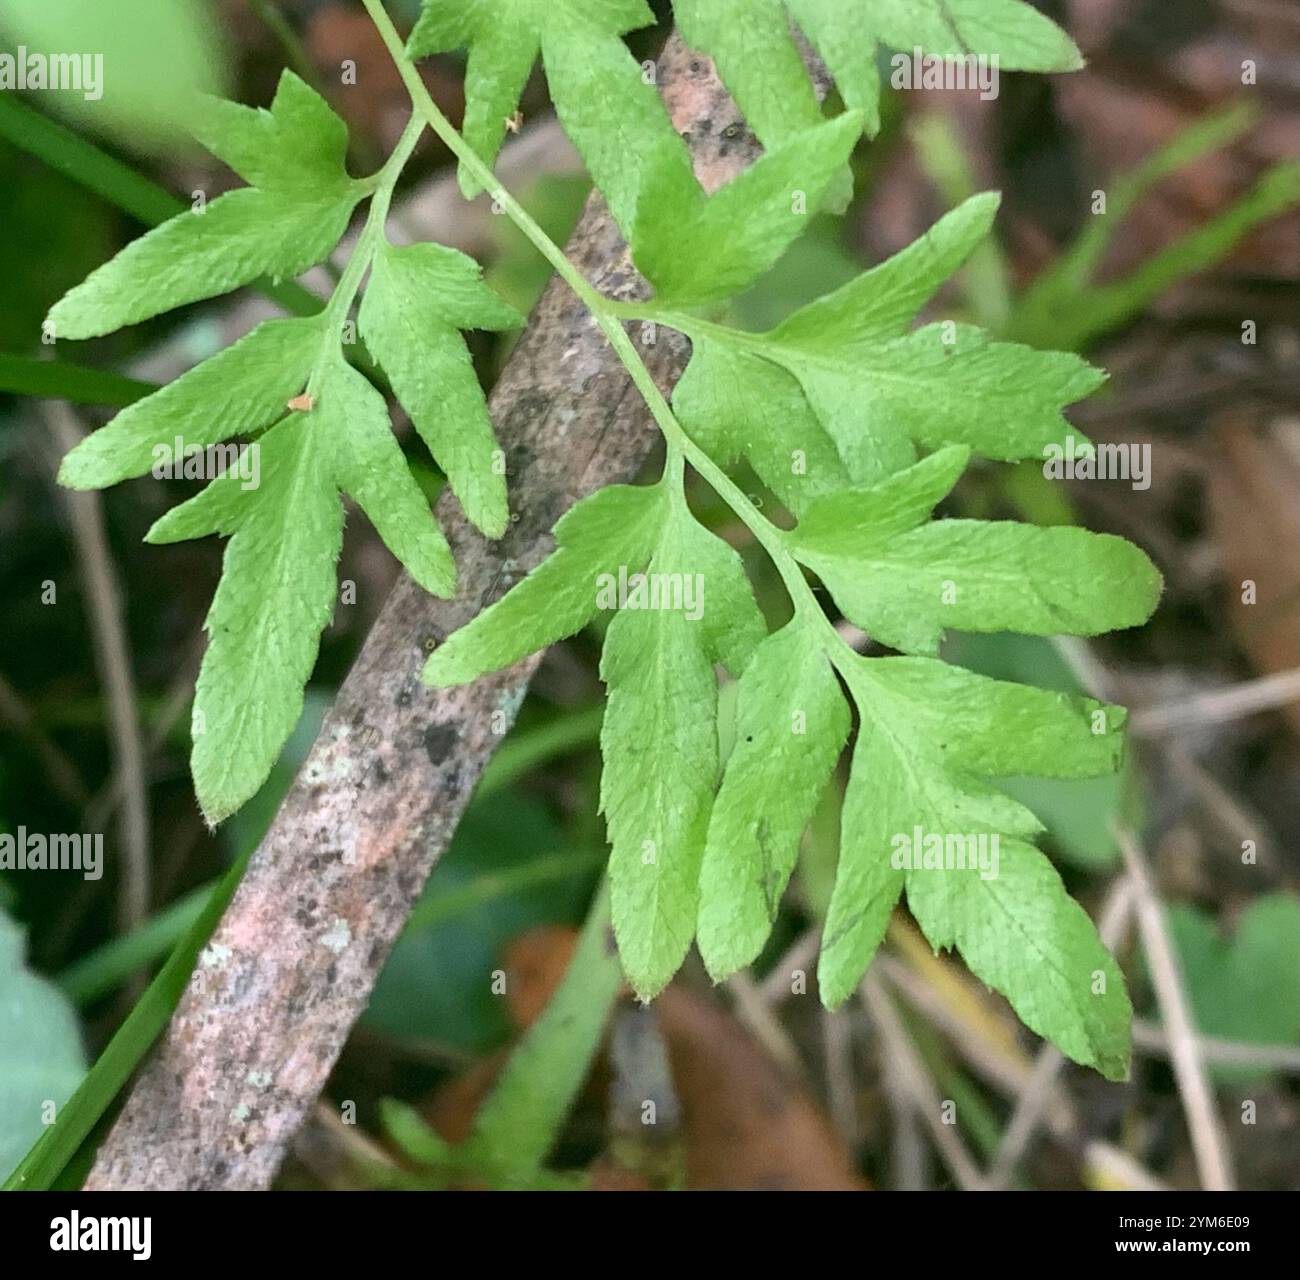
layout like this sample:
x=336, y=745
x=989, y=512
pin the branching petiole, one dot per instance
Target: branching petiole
x=611, y=317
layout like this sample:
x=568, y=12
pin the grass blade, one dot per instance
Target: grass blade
x=58, y=380
x=119, y=184
x=58, y=1145
x=106, y=968
x=522, y=1117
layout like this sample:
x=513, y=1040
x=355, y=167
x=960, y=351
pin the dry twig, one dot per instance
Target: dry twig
x=907, y=1067
x=1212, y=1157
x=112, y=654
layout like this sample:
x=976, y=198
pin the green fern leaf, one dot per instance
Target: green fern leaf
x=752, y=43
x=791, y=724
x=289, y=221
x=659, y=741
x=300, y=145
x=905, y=578
x=238, y=392
x=931, y=733
x=704, y=248
x=505, y=37
x=849, y=394
x=284, y=515
x=278, y=587
x=418, y=300
x=610, y=530
x=275, y=598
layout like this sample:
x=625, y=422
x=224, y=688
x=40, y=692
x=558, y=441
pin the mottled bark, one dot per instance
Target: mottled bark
x=293, y=961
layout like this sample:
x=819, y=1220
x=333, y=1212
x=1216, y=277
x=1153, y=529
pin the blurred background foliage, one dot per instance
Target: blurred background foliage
x=1201, y=235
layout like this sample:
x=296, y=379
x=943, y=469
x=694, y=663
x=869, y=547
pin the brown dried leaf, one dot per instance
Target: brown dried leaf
x=748, y=1127
x=1254, y=507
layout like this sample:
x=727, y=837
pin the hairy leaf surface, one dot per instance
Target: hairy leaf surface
x=711, y=247
x=275, y=598
x=299, y=145
x=238, y=391
x=278, y=584
x=609, y=531
x=284, y=514
x=289, y=220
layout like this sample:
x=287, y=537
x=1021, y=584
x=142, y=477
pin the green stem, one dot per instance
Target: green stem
x=610, y=316
x=384, y=183
x=282, y=29
x=522, y=1117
